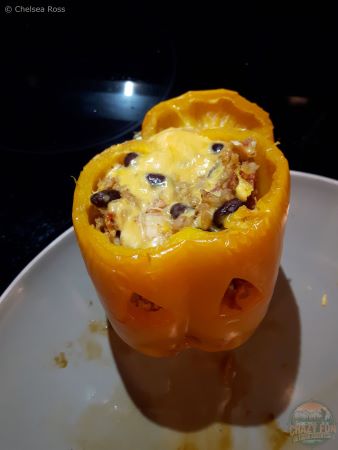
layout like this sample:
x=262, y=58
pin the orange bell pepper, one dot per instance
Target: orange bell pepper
x=201, y=289
x=208, y=109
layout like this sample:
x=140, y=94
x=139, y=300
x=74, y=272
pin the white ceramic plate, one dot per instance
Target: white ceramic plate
x=50, y=317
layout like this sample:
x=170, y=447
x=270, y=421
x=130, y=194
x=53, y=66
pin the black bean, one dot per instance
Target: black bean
x=102, y=198
x=251, y=201
x=118, y=233
x=227, y=208
x=217, y=147
x=177, y=209
x=156, y=179
x=129, y=158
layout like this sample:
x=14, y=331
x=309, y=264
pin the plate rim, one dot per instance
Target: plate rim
x=5, y=295
x=314, y=176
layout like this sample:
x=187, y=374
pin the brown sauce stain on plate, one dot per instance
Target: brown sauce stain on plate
x=275, y=436
x=90, y=348
x=98, y=327
x=60, y=360
x=216, y=437
x=225, y=442
x=104, y=426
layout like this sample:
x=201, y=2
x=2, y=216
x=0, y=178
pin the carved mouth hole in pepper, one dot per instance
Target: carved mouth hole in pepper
x=240, y=294
x=146, y=305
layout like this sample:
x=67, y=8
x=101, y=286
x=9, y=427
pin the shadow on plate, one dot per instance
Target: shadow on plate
x=248, y=386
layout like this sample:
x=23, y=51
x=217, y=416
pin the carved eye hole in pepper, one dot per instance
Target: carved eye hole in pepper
x=146, y=305
x=240, y=294
x=148, y=312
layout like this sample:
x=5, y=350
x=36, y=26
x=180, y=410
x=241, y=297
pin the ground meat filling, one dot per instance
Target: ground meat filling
x=186, y=180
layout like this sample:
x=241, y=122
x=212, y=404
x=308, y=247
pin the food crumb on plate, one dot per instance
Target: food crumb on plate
x=61, y=360
x=324, y=300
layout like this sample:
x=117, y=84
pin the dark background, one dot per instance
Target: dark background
x=62, y=84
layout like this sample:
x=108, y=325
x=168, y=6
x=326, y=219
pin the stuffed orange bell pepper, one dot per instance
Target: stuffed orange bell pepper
x=181, y=230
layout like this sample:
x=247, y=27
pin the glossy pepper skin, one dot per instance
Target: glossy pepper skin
x=219, y=108
x=189, y=277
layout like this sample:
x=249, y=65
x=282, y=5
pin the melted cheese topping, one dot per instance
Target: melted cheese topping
x=190, y=167
x=180, y=155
